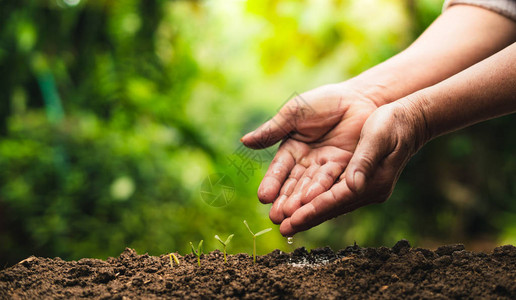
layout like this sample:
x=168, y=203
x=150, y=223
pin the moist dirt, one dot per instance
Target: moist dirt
x=400, y=272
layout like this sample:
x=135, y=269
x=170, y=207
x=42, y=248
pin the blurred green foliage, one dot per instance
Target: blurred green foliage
x=112, y=113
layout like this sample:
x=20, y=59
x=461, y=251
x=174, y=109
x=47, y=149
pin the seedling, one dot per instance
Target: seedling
x=198, y=252
x=224, y=244
x=175, y=259
x=254, y=238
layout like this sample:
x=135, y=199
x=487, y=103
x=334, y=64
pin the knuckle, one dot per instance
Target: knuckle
x=367, y=163
x=325, y=178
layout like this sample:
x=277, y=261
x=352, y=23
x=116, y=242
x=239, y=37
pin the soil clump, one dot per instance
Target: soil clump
x=399, y=272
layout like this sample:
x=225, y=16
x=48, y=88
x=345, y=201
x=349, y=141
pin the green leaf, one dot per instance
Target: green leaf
x=246, y=225
x=218, y=239
x=229, y=239
x=193, y=249
x=175, y=259
x=199, y=248
x=263, y=231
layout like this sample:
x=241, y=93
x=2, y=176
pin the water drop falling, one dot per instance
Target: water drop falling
x=290, y=240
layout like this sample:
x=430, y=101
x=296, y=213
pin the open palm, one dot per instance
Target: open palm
x=320, y=130
x=389, y=138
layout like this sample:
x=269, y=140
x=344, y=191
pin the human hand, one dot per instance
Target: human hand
x=320, y=130
x=394, y=133
x=317, y=116
x=389, y=138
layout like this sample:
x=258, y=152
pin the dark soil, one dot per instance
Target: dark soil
x=400, y=272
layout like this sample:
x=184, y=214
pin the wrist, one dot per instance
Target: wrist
x=377, y=93
x=411, y=119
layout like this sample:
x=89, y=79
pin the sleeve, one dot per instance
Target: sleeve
x=506, y=8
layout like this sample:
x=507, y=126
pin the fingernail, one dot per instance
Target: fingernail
x=360, y=181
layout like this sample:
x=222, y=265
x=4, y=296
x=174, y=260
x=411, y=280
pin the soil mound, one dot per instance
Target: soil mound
x=353, y=273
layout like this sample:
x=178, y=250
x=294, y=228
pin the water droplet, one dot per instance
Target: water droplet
x=290, y=240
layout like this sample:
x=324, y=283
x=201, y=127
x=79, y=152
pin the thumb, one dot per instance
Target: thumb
x=370, y=151
x=270, y=132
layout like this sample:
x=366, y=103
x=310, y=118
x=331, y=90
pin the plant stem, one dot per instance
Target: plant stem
x=225, y=261
x=254, y=249
x=175, y=258
x=199, y=261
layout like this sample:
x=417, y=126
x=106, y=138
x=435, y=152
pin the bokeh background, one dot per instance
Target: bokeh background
x=114, y=113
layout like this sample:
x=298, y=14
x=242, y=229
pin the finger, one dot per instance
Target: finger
x=276, y=213
x=268, y=134
x=322, y=181
x=275, y=176
x=338, y=200
x=294, y=200
x=277, y=128
x=371, y=150
x=291, y=182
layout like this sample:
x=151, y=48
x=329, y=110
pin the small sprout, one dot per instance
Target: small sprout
x=175, y=259
x=254, y=238
x=224, y=244
x=198, y=252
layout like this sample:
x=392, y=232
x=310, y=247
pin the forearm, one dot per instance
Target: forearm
x=462, y=36
x=483, y=91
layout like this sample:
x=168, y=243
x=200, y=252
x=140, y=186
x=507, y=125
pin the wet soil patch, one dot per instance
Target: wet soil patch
x=353, y=273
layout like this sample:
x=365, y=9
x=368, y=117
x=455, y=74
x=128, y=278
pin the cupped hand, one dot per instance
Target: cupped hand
x=304, y=172
x=320, y=130
x=389, y=138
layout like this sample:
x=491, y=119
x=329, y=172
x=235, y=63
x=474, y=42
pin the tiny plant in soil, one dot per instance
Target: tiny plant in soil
x=254, y=238
x=224, y=244
x=175, y=259
x=198, y=252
